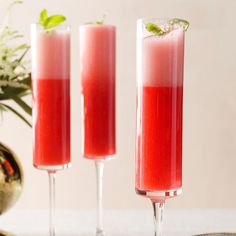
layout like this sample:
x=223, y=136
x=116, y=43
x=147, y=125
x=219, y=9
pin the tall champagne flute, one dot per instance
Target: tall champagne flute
x=97, y=58
x=51, y=103
x=160, y=62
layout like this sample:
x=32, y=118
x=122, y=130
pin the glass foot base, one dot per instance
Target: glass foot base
x=53, y=168
x=101, y=158
x=159, y=196
x=99, y=232
x=3, y=233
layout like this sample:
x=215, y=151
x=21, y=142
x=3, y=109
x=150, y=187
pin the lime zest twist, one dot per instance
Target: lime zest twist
x=158, y=30
x=49, y=22
x=181, y=22
x=155, y=29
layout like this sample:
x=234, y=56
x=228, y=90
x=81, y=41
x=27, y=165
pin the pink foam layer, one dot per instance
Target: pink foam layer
x=97, y=51
x=51, y=55
x=163, y=59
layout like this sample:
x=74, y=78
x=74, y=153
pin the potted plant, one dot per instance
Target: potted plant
x=15, y=84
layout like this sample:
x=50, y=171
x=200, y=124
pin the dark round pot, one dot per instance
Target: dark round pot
x=11, y=178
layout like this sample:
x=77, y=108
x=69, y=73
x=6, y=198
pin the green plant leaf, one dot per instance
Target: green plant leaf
x=15, y=93
x=20, y=92
x=43, y=17
x=24, y=53
x=27, y=81
x=16, y=113
x=15, y=77
x=13, y=4
x=153, y=28
x=22, y=104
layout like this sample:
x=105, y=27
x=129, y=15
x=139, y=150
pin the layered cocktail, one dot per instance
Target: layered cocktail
x=160, y=64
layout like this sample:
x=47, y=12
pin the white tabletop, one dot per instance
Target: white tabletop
x=119, y=222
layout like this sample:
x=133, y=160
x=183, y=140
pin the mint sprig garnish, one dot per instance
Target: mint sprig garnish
x=101, y=21
x=98, y=22
x=43, y=17
x=171, y=25
x=49, y=22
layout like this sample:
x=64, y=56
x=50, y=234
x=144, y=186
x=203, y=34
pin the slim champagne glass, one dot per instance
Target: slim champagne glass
x=51, y=103
x=160, y=63
x=97, y=58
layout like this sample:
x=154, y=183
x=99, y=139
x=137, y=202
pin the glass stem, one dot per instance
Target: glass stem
x=158, y=216
x=99, y=172
x=52, y=178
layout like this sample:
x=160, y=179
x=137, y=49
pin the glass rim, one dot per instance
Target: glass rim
x=96, y=25
x=155, y=18
x=160, y=21
x=164, y=23
x=159, y=18
x=59, y=27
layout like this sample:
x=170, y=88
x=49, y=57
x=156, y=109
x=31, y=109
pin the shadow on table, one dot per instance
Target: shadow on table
x=88, y=234
x=123, y=234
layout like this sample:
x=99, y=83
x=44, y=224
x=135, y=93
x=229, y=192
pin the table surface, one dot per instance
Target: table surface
x=120, y=222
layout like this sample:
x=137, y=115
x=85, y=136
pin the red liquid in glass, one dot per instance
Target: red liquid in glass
x=159, y=144
x=51, y=103
x=99, y=117
x=97, y=43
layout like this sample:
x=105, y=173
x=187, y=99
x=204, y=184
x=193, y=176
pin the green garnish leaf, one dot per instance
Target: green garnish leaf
x=180, y=22
x=153, y=28
x=49, y=22
x=43, y=16
x=98, y=22
x=53, y=21
x=101, y=21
